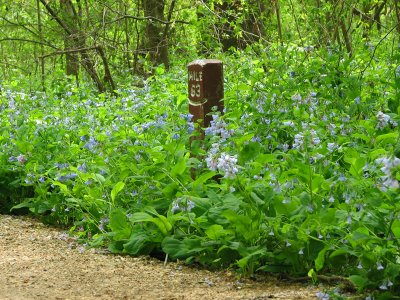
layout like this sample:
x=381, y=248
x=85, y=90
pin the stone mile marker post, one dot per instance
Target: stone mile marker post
x=206, y=91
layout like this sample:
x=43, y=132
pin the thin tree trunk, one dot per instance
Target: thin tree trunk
x=278, y=18
x=136, y=55
x=39, y=18
x=86, y=60
x=397, y=10
x=346, y=37
x=107, y=74
x=166, y=32
x=127, y=40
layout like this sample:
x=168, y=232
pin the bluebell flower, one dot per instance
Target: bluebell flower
x=187, y=117
x=190, y=127
x=379, y=266
x=322, y=296
x=72, y=175
x=61, y=165
x=218, y=127
x=62, y=178
x=91, y=144
x=82, y=168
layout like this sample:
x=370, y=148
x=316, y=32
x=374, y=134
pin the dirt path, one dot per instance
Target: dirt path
x=38, y=262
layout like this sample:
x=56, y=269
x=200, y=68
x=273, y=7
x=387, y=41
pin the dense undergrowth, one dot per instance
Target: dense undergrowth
x=306, y=151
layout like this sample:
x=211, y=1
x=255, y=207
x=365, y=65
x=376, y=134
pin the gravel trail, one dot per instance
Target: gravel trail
x=41, y=262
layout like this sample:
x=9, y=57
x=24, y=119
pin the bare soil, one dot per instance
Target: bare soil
x=41, y=262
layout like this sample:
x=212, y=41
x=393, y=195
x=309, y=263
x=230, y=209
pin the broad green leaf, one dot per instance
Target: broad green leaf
x=179, y=167
x=160, y=221
x=243, y=263
x=140, y=217
x=359, y=281
x=203, y=178
x=396, y=228
x=119, y=224
x=136, y=243
x=320, y=260
x=388, y=138
x=99, y=178
x=183, y=248
x=215, y=232
x=116, y=189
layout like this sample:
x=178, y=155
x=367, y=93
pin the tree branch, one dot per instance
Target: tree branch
x=56, y=17
x=20, y=25
x=28, y=41
x=61, y=52
x=147, y=18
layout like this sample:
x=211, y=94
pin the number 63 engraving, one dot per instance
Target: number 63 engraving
x=195, y=90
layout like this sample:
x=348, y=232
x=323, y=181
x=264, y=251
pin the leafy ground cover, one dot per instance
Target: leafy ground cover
x=300, y=176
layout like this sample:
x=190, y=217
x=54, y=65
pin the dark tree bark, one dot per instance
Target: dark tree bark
x=155, y=42
x=70, y=39
x=238, y=24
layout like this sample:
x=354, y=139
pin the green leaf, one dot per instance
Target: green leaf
x=183, y=248
x=179, y=167
x=203, y=178
x=63, y=187
x=140, y=217
x=249, y=151
x=388, y=138
x=320, y=260
x=136, y=243
x=313, y=275
x=160, y=221
x=359, y=281
x=162, y=224
x=215, y=232
x=116, y=189
x=119, y=225
x=99, y=178
x=244, y=262
x=396, y=228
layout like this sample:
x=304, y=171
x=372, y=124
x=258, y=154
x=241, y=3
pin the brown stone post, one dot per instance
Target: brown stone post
x=206, y=90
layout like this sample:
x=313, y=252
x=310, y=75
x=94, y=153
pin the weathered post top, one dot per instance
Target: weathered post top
x=206, y=89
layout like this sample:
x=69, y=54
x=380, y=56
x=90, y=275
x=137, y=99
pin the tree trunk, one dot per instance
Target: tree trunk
x=79, y=42
x=70, y=39
x=397, y=10
x=155, y=45
x=39, y=19
x=278, y=19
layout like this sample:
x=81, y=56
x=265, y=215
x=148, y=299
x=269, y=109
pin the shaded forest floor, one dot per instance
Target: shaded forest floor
x=41, y=262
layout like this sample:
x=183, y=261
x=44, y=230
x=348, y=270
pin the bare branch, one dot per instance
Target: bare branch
x=56, y=17
x=29, y=41
x=19, y=25
x=61, y=52
x=147, y=18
